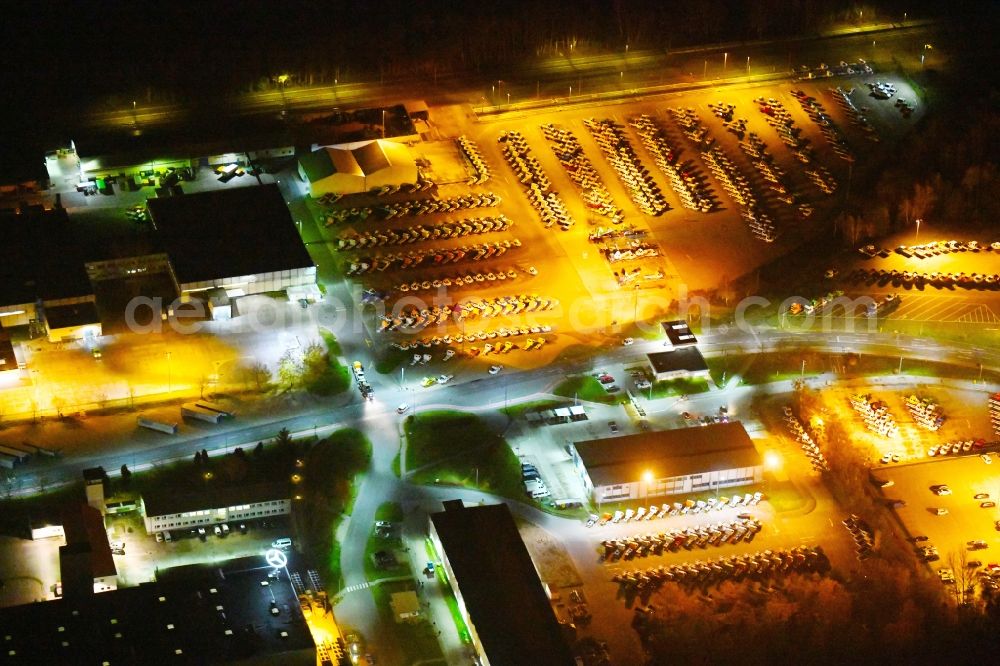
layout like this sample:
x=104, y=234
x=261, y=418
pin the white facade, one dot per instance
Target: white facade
x=675, y=485
x=216, y=515
x=17, y=314
x=258, y=283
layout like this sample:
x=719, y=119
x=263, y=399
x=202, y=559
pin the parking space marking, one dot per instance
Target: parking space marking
x=920, y=307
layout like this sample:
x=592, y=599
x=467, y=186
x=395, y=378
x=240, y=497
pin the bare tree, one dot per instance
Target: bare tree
x=958, y=560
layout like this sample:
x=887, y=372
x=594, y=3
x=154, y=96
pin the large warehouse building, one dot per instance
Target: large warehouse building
x=226, y=612
x=242, y=240
x=498, y=589
x=669, y=462
x=354, y=168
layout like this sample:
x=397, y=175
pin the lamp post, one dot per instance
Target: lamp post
x=748, y=65
x=917, y=235
x=725, y=59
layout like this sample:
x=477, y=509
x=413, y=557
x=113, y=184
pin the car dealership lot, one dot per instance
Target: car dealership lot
x=965, y=520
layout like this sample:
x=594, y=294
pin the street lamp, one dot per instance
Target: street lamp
x=725, y=59
x=748, y=65
x=917, y=235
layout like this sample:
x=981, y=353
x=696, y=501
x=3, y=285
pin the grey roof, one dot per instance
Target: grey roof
x=228, y=233
x=164, y=502
x=679, y=333
x=149, y=623
x=500, y=587
x=668, y=453
x=686, y=358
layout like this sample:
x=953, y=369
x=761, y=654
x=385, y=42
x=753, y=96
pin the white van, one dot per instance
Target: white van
x=283, y=543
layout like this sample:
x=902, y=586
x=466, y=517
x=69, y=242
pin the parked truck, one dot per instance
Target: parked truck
x=153, y=424
x=191, y=410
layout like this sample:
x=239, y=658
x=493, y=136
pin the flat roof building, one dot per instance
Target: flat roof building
x=685, y=460
x=678, y=364
x=243, y=240
x=228, y=612
x=678, y=333
x=168, y=510
x=499, y=592
x=86, y=565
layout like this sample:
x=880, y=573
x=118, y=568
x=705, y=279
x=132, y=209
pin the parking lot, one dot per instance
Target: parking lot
x=964, y=521
x=607, y=210
x=144, y=554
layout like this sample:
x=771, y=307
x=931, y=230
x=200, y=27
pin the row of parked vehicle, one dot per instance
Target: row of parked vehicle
x=677, y=508
x=735, y=183
x=857, y=115
x=461, y=279
x=686, y=180
x=581, y=171
x=817, y=113
x=925, y=412
x=703, y=536
x=431, y=257
x=756, y=151
x=632, y=250
x=457, y=229
x=936, y=248
x=778, y=117
x=529, y=173
x=471, y=152
x=957, y=447
x=620, y=154
x=480, y=336
x=876, y=415
x=863, y=535
x=761, y=565
x=946, y=280
x=433, y=206
x=805, y=440
x=822, y=178
x=411, y=319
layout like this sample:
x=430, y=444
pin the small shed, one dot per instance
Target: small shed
x=405, y=606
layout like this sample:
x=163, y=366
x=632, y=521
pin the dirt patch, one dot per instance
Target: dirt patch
x=554, y=564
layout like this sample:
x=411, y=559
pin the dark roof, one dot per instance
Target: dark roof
x=164, y=502
x=679, y=333
x=228, y=233
x=500, y=587
x=40, y=257
x=77, y=314
x=84, y=529
x=685, y=358
x=95, y=474
x=8, y=361
x=130, y=625
x=668, y=453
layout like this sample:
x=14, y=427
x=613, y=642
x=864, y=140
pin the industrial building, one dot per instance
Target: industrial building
x=682, y=363
x=354, y=168
x=85, y=562
x=670, y=462
x=169, y=510
x=52, y=270
x=242, y=240
x=499, y=592
x=228, y=612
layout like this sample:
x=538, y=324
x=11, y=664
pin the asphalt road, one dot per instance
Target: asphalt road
x=545, y=79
